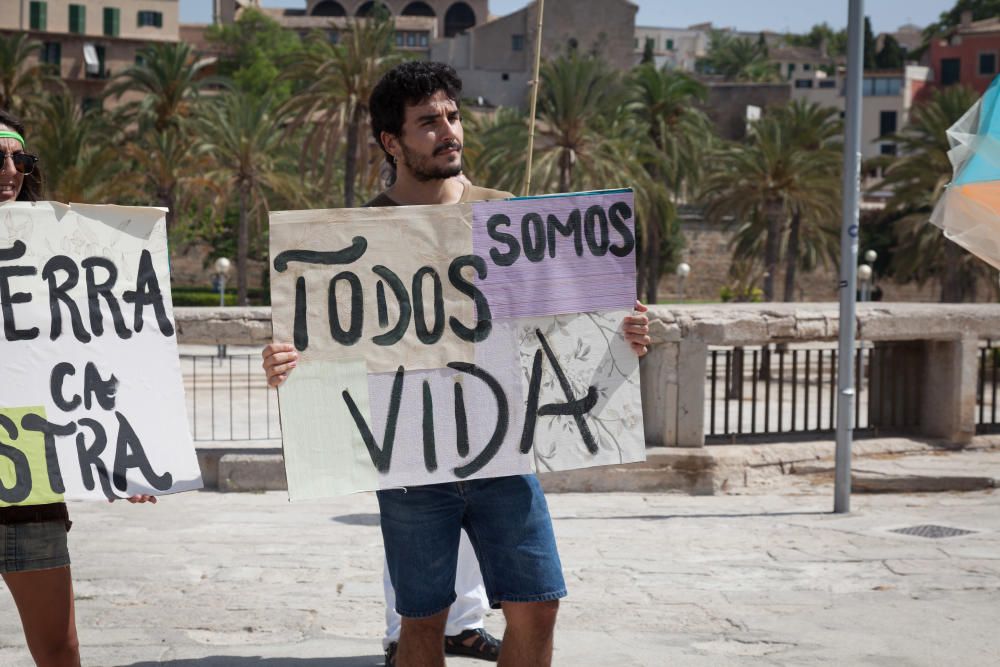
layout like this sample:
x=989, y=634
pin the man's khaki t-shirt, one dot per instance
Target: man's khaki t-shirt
x=471, y=193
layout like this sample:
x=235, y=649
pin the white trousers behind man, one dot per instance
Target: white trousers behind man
x=468, y=609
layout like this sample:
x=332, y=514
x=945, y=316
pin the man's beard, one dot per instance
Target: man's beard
x=423, y=168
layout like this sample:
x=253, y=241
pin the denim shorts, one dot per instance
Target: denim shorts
x=508, y=523
x=38, y=545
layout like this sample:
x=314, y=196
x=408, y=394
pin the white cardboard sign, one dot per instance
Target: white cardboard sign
x=91, y=398
x=443, y=343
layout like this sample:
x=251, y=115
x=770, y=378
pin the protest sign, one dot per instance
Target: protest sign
x=442, y=343
x=91, y=401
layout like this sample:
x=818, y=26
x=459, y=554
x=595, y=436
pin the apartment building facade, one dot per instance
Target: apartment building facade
x=968, y=55
x=89, y=41
x=417, y=22
x=495, y=59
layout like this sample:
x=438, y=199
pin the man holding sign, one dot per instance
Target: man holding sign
x=416, y=120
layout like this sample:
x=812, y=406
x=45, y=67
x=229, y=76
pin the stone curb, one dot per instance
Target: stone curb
x=694, y=471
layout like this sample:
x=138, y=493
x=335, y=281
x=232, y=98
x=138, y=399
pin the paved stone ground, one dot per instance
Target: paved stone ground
x=248, y=580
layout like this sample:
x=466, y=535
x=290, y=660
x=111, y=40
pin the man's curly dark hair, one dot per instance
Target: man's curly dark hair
x=404, y=85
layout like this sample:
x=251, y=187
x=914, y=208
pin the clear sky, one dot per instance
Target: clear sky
x=778, y=15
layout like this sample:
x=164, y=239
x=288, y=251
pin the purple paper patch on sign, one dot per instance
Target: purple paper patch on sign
x=557, y=255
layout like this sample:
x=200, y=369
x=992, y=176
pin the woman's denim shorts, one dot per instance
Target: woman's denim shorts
x=508, y=523
x=39, y=545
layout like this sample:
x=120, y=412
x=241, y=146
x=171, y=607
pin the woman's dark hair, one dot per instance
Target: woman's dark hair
x=31, y=188
x=404, y=85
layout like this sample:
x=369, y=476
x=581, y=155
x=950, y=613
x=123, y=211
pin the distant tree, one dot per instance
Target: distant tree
x=82, y=164
x=891, y=56
x=334, y=103
x=666, y=103
x=170, y=79
x=981, y=9
x=781, y=189
x=917, y=179
x=820, y=35
x=21, y=75
x=251, y=159
x=647, y=52
x=738, y=59
x=256, y=50
x=870, y=46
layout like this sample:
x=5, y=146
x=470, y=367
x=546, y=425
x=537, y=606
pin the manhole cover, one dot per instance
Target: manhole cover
x=932, y=531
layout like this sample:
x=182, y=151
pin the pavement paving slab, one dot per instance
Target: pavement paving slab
x=249, y=580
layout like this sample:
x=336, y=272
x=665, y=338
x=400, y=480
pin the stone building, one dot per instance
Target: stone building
x=889, y=96
x=495, y=60
x=968, y=55
x=676, y=48
x=417, y=22
x=89, y=41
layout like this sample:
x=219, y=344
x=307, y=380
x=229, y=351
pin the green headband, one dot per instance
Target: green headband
x=6, y=134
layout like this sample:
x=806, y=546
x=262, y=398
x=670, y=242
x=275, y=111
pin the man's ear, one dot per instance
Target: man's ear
x=391, y=144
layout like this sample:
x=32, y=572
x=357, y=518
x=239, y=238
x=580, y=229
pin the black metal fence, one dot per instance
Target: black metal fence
x=986, y=388
x=228, y=398
x=783, y=389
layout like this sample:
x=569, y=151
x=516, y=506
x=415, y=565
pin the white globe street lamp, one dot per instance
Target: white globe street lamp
x=683, y=269
x=865, y=276
x=222, y=266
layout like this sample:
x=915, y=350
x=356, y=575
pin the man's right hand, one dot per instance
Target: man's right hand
x=279, y=360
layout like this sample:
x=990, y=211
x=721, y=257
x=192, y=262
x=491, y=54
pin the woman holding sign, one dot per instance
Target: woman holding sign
x=34, y=558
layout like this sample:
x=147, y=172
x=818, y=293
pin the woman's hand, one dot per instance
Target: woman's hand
x=636, y=329
x=279, y=360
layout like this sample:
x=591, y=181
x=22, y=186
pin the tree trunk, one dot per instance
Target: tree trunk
x=652, y=260
x=165, y=197
x=565, y=170
x=640, y=255
x=772, y=248
x=351, y=157
x=952, y=290
x=792, y=260
x=242, y=247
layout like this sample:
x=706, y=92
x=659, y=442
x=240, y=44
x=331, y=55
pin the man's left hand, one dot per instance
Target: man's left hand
x=636, y=329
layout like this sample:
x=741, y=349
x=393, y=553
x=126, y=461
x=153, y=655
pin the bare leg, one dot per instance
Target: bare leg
x=44, y=599
x=527, y=641
x=421, y=641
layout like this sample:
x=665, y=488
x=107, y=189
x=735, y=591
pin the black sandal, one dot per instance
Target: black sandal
x=485, y=647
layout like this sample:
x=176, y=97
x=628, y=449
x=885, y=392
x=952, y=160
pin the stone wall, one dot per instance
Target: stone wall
x=935, y=343
x=727, y=104
x=707, y=251
x=191, y=266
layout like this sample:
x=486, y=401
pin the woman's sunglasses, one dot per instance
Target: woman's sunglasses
x=24, y=163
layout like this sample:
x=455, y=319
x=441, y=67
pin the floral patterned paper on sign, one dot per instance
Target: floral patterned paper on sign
x=591, y=352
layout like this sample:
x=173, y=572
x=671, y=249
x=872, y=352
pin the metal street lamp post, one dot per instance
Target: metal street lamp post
x=221, y=266
x=683, y=269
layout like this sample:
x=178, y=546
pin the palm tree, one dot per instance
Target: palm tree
x=587, y=137
x=170, y=80
x=78, y=153
x=341, y=78
x=738, y=59
x=813, y=230
x=169, y=166
x=251, y=160
x=764, y=182
x=917, y=180
x=20, y=80
x=664, y=101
